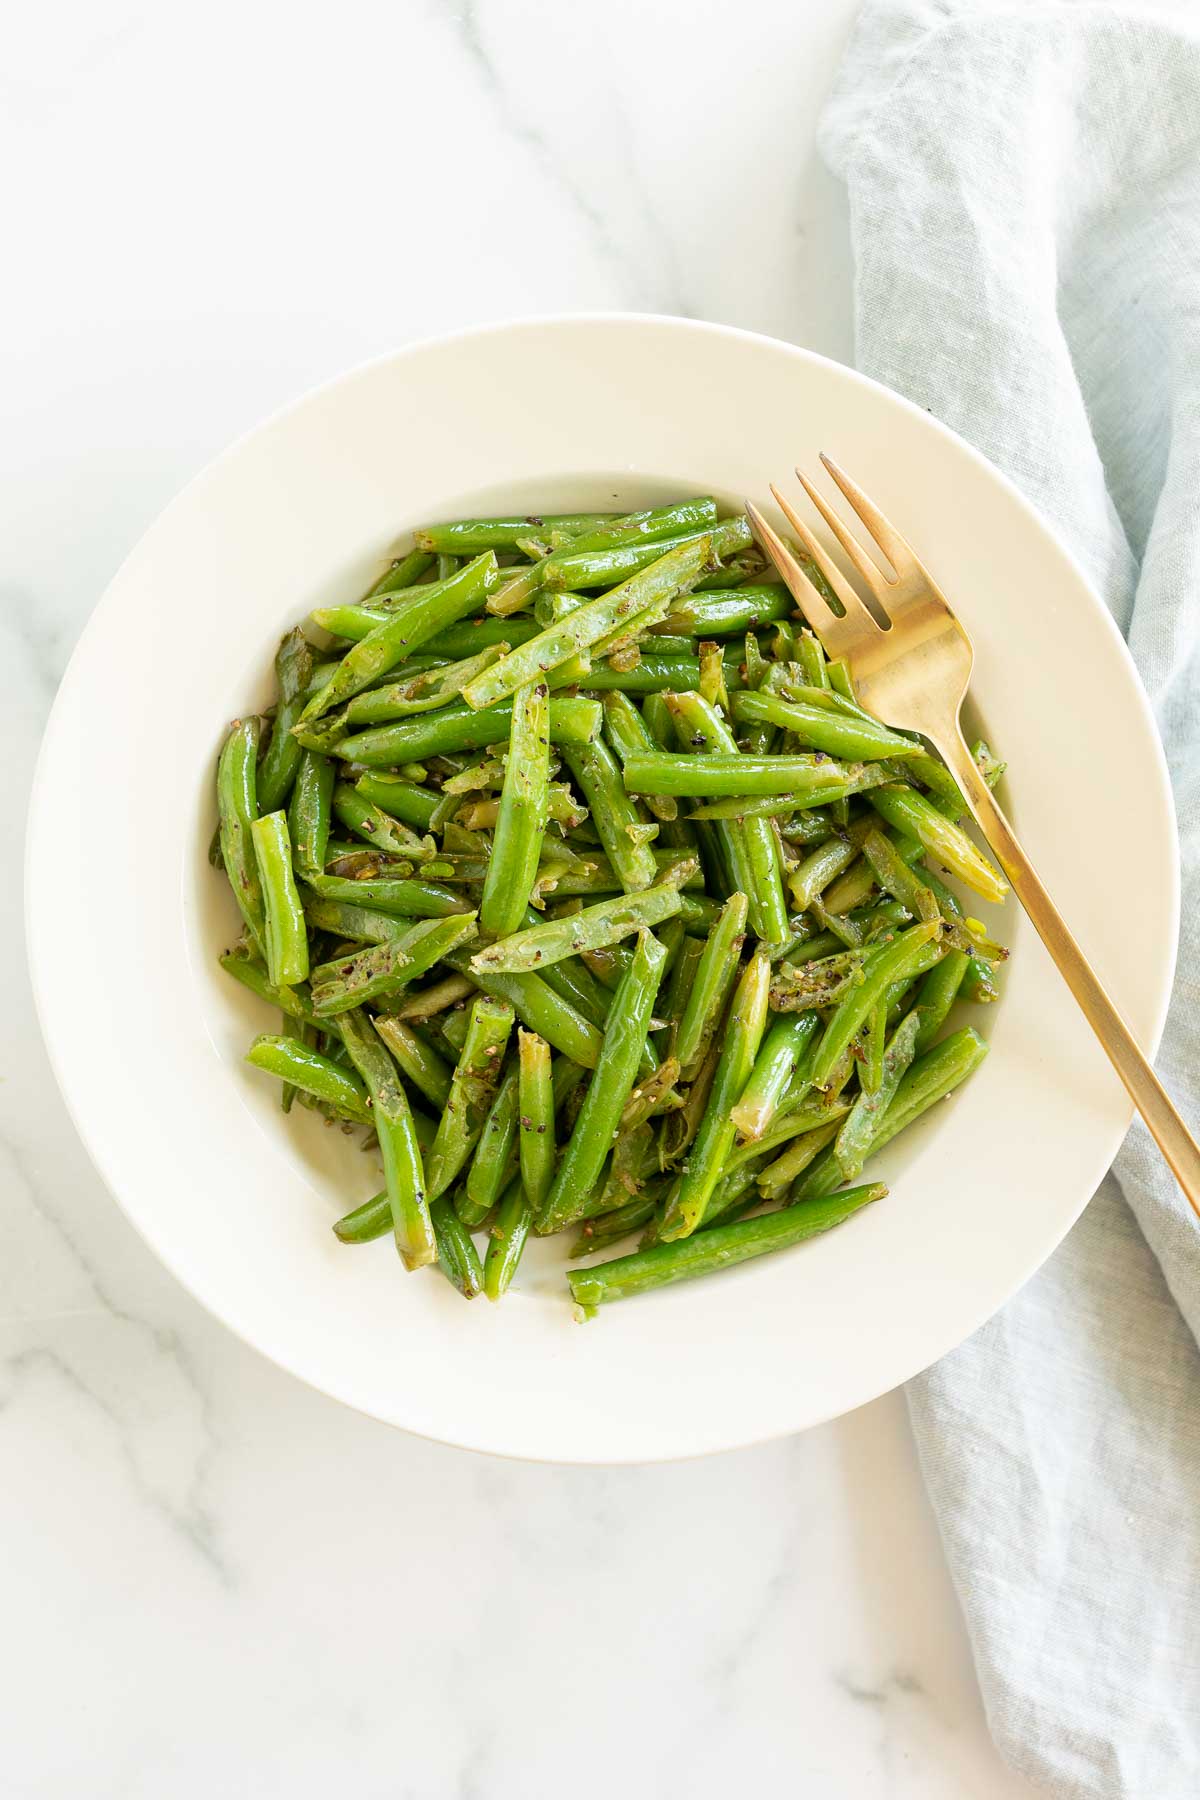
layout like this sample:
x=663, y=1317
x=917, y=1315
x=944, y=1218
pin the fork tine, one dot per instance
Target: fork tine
x=858, y=619
x=811, y=603
x=867, y=568
x=898, y=550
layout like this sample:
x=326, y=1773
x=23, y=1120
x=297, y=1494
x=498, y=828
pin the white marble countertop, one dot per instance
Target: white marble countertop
x=210, y=210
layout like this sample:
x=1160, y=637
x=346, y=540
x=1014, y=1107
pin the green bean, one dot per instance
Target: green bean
x=309, y=812
x=648, y=527
x=491, y=1164
x=594, y=874
x=745, y=567
x=507, y=1240
x=293, y=673
x=360, y=923
x=463, y=536
x=654, y=673
x=521, y=826
x=751, y=841
x=730, y=613
x=611, y=1227
x=536, y=1114
x=472, y=1086
x=605, y=923
x=712, y=983
x=874, y=1037
x=420, y=691
x=932, y=1077
x=822, y=728
x=457, y=1256
x=435, y=997
x=682, y=979
x=303, y=1067
x=627, y=732
x=243, y=965
x=611, y=1083
x=717, y=1249
x=911, y=812
x=644, y=597
x=613, y=813
x=237, y=809
x=806, y=779
x=541, y=1009
x=429, y=1074
x=397, y=1137
x=885, y=964
x=407, y=899
x=576, y=983
x=784, y=1051
x=453, y=1029
x=572, y=719
x=384, y=969
x=402, y=572
x=804, y=1150
x=357, y=814
x=601, y=568
x=739, y=1047
x=404, y=630
x=850, y=890
x=937, y=994
x=895, y=876
x=861, y=1125
x=285, y=935
x=819, y=868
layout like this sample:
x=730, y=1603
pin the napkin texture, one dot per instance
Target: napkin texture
x=1024, y=186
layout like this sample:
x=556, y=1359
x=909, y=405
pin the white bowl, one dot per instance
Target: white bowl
x=125, y=916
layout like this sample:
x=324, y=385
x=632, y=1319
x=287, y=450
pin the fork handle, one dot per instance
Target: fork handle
x=1145, y=1090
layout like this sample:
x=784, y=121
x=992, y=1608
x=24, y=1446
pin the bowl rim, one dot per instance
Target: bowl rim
x=35, y=846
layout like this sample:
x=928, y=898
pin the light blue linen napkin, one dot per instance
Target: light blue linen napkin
x=1024, y=185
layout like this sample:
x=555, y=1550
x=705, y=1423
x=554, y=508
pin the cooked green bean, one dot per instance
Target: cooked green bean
x=599, y=1117
x=647, y=527
x=536, y=1117
x=751, y=841
x=472, y=1087
x=822, y=728
x=605, y=923
x=712, y=982
x=350, y=981
x=407, y=899
x=309, y=812
x=911, y=812
x=303, y=1067
x=237, y=809
x=364, y=819
x=627, y=733
x=783, y=1053
x=398, y=1146
x=362, y=924
x=285, y=934
x=491, y=1164
x=470, y=535
x=389, y=643
x=714, y=1140
x=524, y=805
x=732, y=612
x=402, y=572
x=572, y=720
x=457, y=1256
x=293, y=673
x=719, y=1248
x=417, y=1060
x=507, y=1239
x=621, y=828
x=644, y=597
x=807, y=779
x=601, y=568
x=884, y=965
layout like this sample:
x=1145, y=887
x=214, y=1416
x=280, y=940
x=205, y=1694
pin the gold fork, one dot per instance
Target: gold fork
x=914, y=674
